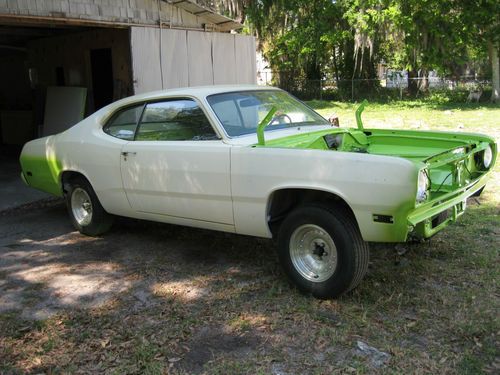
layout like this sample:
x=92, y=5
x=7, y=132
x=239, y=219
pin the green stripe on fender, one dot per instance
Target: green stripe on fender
x=42, y=173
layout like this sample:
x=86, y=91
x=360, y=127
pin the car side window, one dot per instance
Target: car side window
x=174, y=120
x=123, y=123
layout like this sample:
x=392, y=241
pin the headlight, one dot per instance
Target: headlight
x=423, y=185
x=487, y=157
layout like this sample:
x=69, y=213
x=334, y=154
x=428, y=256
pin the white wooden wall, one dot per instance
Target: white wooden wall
x=190, y=58
x=126, y=11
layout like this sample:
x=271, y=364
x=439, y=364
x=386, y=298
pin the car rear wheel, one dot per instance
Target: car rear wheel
x=322, y=251
x=85, y=210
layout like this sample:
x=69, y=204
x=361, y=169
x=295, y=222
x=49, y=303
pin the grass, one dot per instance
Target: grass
x=433, y=309
x=470, y=117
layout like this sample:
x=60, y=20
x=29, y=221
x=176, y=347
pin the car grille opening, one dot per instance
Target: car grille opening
x=440, y=218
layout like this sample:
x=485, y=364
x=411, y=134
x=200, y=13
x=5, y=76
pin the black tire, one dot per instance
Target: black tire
x=345, y=271
x=99, y=221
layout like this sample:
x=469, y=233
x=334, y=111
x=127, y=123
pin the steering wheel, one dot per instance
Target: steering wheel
x=279, y=116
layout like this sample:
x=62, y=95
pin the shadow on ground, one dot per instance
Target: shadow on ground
x=151, y=298
x=46, y=266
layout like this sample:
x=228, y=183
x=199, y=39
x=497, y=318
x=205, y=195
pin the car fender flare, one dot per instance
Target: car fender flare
x=313, y=188
x=74, y=172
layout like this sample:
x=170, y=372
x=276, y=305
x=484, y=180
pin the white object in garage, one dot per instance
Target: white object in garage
x=64, y=107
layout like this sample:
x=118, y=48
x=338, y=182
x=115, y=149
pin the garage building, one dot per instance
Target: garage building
x=61, y=60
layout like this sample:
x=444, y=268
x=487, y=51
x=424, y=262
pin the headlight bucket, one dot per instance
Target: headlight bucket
x=423, y=185
x=487, y=157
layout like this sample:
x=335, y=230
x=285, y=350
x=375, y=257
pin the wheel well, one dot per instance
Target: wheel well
x=283, y=201
x=67, y=177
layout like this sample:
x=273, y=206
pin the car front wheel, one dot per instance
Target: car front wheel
x=322, y=251
x=85, y=210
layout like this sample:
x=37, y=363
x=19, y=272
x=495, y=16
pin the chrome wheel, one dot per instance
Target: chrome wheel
x=313, y=253
x=81, y=206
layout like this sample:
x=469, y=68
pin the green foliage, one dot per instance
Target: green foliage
x=302, y=38
x=345, y=39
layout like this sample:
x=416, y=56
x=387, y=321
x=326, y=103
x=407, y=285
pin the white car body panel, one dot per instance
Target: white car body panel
x=97, y=157
x=184, y=179
x=259, y=172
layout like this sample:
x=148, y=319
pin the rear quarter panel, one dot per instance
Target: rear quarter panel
x=40, y=166
x=85, y=149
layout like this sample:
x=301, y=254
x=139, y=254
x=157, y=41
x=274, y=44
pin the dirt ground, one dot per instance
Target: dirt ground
x=156, y=299
x=48, y=269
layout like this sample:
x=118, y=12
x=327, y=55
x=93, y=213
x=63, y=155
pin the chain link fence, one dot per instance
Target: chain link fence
x=392, y=87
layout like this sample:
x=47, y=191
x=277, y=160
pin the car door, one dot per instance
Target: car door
x=176, y=165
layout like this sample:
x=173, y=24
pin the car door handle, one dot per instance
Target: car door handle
x=127, y=153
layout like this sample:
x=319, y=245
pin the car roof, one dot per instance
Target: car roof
x=196, y=91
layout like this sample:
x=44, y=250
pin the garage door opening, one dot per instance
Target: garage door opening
x=38, y=60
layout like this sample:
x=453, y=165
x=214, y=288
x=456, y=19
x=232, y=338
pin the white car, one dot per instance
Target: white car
x=256, y=161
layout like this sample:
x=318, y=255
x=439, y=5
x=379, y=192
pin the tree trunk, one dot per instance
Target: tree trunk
x=424, y=82
x=335, y=67
x=495, y=72
x=412, y=82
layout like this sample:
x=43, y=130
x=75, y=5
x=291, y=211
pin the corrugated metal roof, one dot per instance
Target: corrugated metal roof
x=222, y=23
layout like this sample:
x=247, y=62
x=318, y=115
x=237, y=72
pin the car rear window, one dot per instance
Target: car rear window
x=124, y=123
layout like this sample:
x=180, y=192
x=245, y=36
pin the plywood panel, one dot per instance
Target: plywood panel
x=190, y=58
x=224, y=58
x=174, y=58
x=245, y=59
x=200, y=64
x=145, y=43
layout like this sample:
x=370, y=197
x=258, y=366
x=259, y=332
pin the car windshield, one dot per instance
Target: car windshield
x=241, y=112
